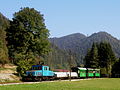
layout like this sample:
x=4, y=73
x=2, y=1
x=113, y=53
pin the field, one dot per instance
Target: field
x=93, y=84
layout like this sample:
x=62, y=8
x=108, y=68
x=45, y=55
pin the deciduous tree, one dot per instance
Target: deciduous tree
x=27, y=34
x=4, y=23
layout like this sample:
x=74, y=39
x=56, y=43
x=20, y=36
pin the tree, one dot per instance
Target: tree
x=101, y=56
x=4, y=23
x=27, y=34
x=87, y=59
x=116, y=69
x=24, y=63
x=70, y=61
x=57, y=58
x=106, y=57
x=92, y=57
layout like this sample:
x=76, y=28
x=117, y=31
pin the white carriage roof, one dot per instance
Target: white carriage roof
x=90, y=68
x=97, y=69
x=82, y=68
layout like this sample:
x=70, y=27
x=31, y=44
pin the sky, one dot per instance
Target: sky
x=64, y=17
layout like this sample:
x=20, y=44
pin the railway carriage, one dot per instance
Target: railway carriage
x=90, y=72
x=65, y=75
x=82, y=72
x=97, y=72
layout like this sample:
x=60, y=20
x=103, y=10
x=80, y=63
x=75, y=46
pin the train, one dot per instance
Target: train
x=43, y=73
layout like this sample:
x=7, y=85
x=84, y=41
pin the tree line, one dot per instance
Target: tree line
x=102, y=56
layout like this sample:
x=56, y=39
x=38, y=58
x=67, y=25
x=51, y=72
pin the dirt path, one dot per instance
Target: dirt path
x=40, y=82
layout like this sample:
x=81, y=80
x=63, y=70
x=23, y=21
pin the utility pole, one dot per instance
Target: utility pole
x=70, y=63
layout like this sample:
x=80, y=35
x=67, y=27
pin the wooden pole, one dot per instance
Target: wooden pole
x=70, y=55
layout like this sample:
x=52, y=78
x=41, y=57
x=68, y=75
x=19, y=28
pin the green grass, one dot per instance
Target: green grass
x=94, y=84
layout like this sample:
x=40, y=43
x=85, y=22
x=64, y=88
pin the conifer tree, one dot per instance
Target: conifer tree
x=106, y=57
x=101, y=56
x=87, y=60
x=116, y=69
x=92, y=57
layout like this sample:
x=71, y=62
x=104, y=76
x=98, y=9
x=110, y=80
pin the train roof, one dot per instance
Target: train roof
x=38, y=65
x=61, y=70
x=82, y=68
x=90, y=68
x=96, y=69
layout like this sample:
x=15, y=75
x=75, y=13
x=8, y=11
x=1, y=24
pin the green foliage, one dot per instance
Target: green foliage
x=101, y=56
x=103, y=72
x=106, y=57
x=94, y=58
x=24, y=62
x=91, y=58
x=4, y=23
x=87, y=59
x=71, y=42
x=27, y=38
x=57, y=58
x=79, y=43
x=28, y=33
x=116, y=69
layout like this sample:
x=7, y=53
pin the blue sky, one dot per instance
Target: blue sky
x=63, y=17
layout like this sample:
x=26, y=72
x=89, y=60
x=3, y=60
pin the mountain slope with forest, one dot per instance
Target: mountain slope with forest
x=67, y=42
x=79, y=43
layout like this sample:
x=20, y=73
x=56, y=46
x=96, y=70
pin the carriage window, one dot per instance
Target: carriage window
x=90, y=71
x=45, y=68
x=33, y=68
x=82, y=71
x=37, y=68
x=97, y=71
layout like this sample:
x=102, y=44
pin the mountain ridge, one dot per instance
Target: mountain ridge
x=79, y=43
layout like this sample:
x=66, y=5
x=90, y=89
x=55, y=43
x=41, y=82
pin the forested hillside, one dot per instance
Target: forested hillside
x=79, y=43
x=69, y=41
x=58, y=58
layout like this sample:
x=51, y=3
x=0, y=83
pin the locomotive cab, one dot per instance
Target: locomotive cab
x=39, y=72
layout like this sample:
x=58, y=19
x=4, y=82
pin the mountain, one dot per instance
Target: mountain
x=79, y=43
x=69, y=41
x=102, y=37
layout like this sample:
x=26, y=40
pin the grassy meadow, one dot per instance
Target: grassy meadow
x=93, y=84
